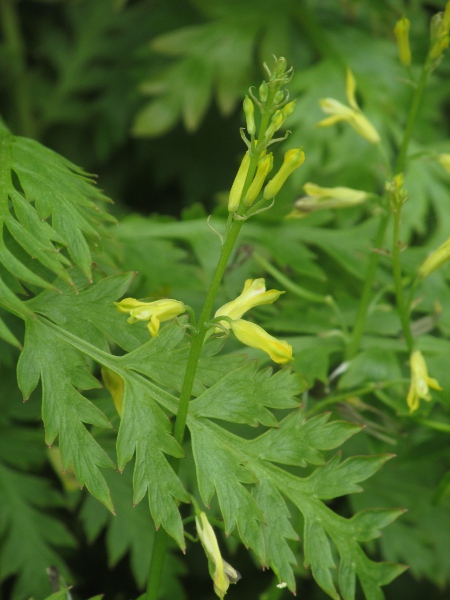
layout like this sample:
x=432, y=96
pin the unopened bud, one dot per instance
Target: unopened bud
x=293, y=159
x=289, y=108
x=396, y=191
x=401, y=31
x=280, y=66
x=264, y=167
x=263, y=92
x=279, y=97
x=238, y=184
x=439, y=33
x=249, y=111
x=275, y=124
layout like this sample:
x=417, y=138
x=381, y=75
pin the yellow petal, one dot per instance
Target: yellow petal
x=255, y=336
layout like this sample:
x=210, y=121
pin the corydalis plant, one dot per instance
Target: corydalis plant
x=251, y=490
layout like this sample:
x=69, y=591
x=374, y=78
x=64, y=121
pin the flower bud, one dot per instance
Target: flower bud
x=280, y=66
x=249, y=111
x=263, y=92
x=279, y=97
x=275, y=124
x=264, y=167
x=238, y=184
x=293, y=159
x=439, y=33
x=289, y=108
x=401, y=31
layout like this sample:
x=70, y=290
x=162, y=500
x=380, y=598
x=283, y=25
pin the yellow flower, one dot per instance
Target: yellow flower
x=319, y=198
x=223, y=573
x=255, y=336
x=352, y=114
x=293, y=159
x=155, y=312
x=435, y=260
x=420, y=382
x=401, y=32
x=253, y=294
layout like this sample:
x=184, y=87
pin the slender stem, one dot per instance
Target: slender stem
x=22, y=96
x=397, y=270
x=159, y=551
x=161, y=539
x=412, y=116
x=197, y=341
x=358, y=329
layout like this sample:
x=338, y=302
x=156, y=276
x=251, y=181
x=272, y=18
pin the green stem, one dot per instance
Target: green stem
x=358, y=329
x=412, y=116
x=397, y=270
x=14, y=42
x=161, y=539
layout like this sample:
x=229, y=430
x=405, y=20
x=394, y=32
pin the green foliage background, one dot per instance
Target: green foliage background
x=147, y=95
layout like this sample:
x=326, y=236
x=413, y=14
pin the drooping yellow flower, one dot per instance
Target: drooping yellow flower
x=420, y=381
x=253, y=294
x=351, y=114
x=222, y=573
x=155, y=312
x=319, y=198
x=255, y=336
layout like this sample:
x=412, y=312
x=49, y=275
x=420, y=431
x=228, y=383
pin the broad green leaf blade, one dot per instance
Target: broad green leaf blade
x=242, y=396
x=37, y=184
x=29, y=533
x=146, y=431
x=64, y=410
x=221, y=471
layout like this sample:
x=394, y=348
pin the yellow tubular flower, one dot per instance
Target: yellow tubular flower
x=293, y=159
x=401, y=32
x=352, y=115
x=238, y=184
x=224, y=573
x=255, y=336
x=319, y=198
x=155, y=312
x=435, y=260
x=115, y=386
x=253, y=294
x=264, y=167
x=420, y=382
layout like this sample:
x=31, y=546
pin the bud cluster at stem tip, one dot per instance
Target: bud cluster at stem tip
x=274, y=107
